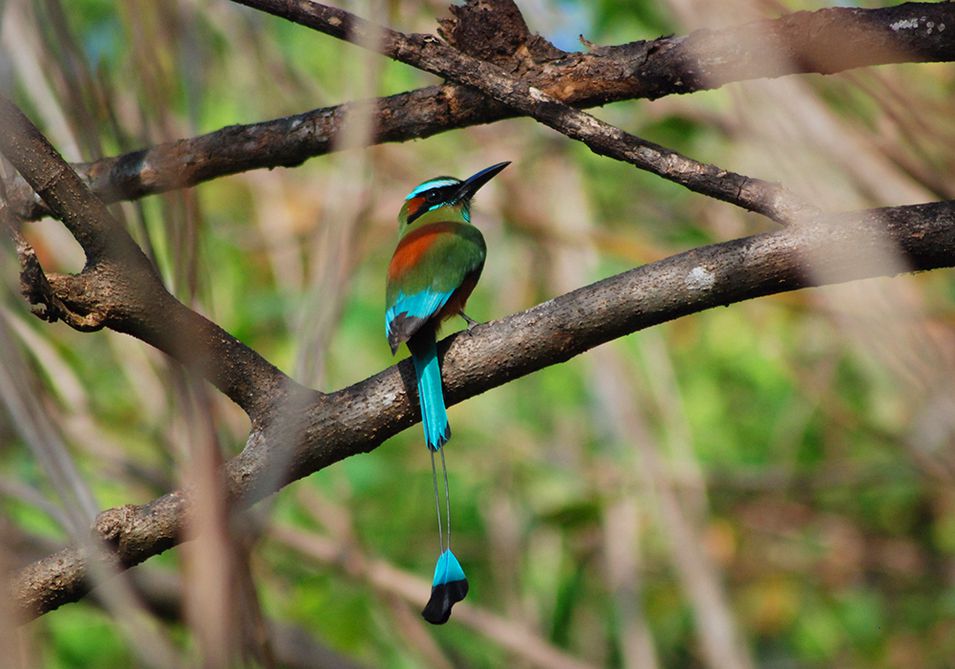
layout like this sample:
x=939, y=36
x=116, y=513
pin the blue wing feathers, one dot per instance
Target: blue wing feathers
x=421, y=306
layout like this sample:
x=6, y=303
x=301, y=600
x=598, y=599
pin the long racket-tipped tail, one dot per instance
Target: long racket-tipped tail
x=449, y=585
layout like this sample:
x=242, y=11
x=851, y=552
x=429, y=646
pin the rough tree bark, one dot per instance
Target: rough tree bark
x=297, y=431
x=825, y=41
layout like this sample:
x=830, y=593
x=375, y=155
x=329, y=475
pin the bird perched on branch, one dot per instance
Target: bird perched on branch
x=434, y=268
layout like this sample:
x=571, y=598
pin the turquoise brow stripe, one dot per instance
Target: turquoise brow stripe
x=434, y=183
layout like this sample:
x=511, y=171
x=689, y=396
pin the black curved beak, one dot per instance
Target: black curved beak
x=475, y=181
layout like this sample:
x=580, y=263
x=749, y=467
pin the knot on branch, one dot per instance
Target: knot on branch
x=111, y=527
x=44, y=294
x=495, y=31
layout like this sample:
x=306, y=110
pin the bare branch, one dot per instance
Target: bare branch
x=327, y=428
x=119, y=287
x=427, y=53
x=824, y=41
x=359, y=418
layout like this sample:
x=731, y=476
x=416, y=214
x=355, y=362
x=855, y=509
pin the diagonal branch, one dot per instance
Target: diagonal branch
x=359, y=418
x=427, y=53
x=328, y=428
x=119, y=287
x=825, y=41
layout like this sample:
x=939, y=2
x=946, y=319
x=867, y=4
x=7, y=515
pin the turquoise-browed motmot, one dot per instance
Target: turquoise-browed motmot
x=434, y=268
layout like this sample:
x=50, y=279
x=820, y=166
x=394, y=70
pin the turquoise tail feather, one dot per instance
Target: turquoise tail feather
x=434, y=415
x=450, y=585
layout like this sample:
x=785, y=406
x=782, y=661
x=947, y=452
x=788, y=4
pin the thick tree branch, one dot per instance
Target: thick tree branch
x=824, y=41
x=119, y=287
x=359, y=418
x=429, y=54
x=293, y=437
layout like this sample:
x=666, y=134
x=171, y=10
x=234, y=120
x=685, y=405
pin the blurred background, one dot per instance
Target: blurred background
x=769, y=484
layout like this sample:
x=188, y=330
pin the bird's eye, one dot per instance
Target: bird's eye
x=433, y=196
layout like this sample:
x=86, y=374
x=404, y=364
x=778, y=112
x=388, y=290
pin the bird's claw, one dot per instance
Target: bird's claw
x=470, y=321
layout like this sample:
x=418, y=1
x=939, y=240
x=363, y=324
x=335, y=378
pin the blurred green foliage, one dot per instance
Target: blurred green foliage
x=787, y=430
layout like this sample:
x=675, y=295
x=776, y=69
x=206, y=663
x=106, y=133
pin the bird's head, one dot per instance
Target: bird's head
x=448, y=197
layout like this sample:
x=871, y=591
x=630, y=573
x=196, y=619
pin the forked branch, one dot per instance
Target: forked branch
x=825, y=41
x=119, y=287
x=291, y=439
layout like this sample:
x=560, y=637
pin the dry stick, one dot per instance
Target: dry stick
x=824, y=41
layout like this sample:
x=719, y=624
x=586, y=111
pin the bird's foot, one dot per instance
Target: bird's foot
x=470, y=321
